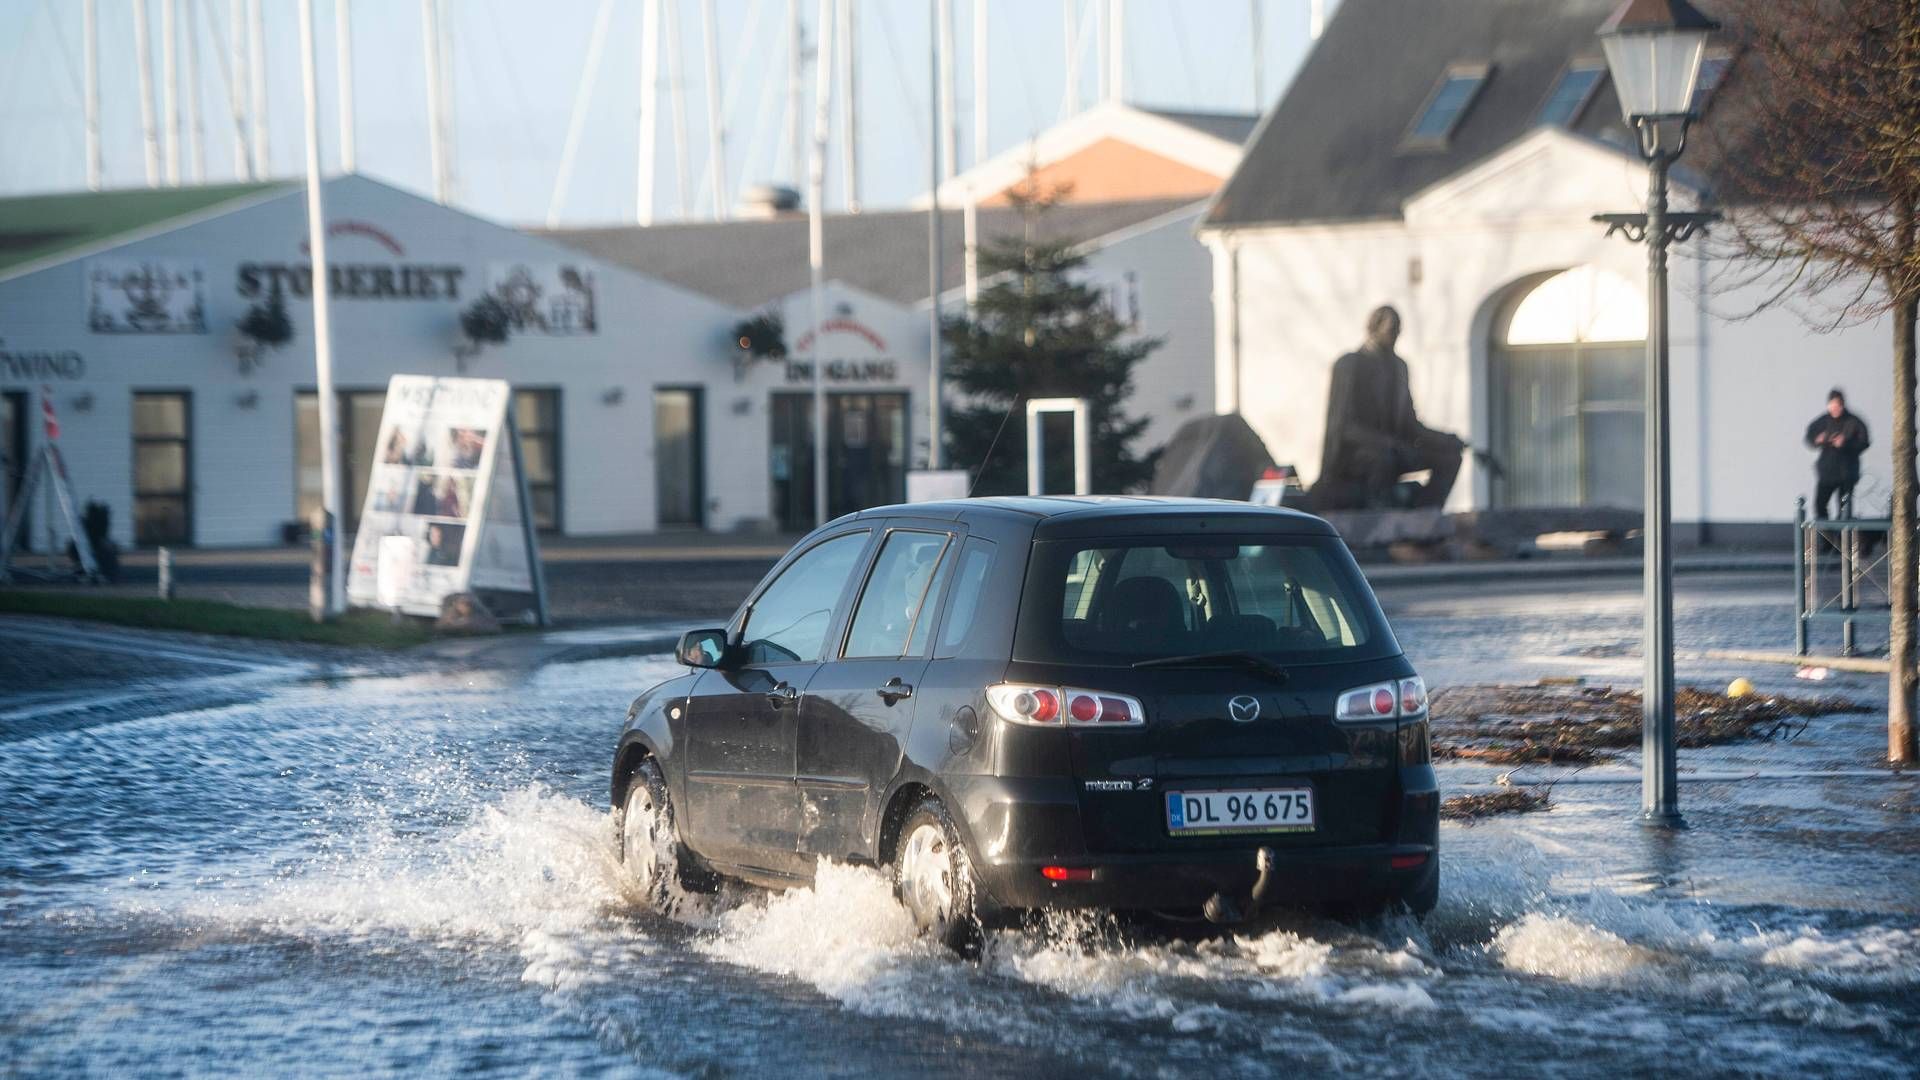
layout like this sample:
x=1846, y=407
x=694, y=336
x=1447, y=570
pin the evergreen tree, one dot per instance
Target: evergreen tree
x=1038, y=330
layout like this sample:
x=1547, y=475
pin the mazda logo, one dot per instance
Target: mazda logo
x=1244, y=708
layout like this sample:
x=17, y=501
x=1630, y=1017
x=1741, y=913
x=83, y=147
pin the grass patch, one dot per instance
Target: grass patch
x=371, y=629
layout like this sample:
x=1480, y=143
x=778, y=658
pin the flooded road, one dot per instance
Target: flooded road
x=416, y=873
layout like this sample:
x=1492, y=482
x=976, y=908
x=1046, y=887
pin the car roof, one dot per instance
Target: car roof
x=1066, y=514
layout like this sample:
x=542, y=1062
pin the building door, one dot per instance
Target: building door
x=13, y=458
x=162, y=468
x=866, y=451
x=678, y=461
x=360, y=412
x=536, y=414
x=866, y=455
x=1568, y=398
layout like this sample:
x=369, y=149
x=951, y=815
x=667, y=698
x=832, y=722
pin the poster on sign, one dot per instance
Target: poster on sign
x=442, y=514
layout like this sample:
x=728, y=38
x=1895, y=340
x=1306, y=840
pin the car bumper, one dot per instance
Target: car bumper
x=1184, y=881
x=1020, y=827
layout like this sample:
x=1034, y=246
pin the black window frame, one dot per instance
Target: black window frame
x=929, y=598
x=14, y=458
x=940, y=647
x=836, y=618
x=697, y=394
x=1039, y=629
x=184, y=440
x=1479, y=73
x=553, y=438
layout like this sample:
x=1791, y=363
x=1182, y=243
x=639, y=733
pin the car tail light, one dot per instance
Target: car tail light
x=1046, y=706
x=1066, y=873
x=1037, y=705
x=1407, y=862
x=1400, y=698
x=1413, y=696
x=1380, y=701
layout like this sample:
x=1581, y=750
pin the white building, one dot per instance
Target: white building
x=635, y=409
x=638, y=409
x=1446, y=157
x=1131, y=183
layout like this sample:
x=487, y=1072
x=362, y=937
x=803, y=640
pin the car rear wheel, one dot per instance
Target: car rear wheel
x=933, y=879
x=650, y=847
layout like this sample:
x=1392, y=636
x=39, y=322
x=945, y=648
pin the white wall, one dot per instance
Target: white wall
x=650, y=334
x=1742, y=390
x=1172, y=279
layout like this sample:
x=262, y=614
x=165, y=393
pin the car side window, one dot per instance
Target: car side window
x=791, y=618
x=895, y=593
x=970, y=581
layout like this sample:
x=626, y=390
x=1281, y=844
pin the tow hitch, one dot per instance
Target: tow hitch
x=1221, y=908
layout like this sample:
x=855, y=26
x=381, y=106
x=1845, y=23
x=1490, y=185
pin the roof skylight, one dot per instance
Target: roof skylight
x=1571, y=94
x=1448, y=104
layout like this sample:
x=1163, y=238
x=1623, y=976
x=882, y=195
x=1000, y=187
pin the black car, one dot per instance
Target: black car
x=1173, y=705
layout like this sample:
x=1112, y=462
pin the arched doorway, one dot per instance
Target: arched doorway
x=1567, y=391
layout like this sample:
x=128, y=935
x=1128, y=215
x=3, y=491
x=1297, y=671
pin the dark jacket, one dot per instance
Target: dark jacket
x=1369, y=412
x=1838, y=464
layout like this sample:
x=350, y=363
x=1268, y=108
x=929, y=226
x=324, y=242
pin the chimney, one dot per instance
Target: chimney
x=766, y=201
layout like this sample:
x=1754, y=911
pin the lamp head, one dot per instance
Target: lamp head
x=1654, y=49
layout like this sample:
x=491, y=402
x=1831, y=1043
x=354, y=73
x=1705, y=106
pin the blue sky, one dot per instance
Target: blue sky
x=517, y=65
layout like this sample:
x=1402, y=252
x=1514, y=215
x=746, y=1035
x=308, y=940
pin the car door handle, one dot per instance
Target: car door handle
x=783, y=695
x=895, y=690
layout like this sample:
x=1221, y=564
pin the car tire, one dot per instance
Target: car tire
x=654, y=859
x=1423, y=900
x=933, y=879
x=1418, y=903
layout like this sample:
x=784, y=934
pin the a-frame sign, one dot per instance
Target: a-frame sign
x=446, y=509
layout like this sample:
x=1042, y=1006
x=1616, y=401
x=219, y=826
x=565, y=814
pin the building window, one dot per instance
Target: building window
x=1567, y=391
x=1572, y=92
x=1447, y=105
x=360, y=412
x=1713, y=69
x=679, y=468
x=162, y=468
x=537, y=415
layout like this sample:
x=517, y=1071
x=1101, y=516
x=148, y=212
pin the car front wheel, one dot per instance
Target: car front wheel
x=933, y=879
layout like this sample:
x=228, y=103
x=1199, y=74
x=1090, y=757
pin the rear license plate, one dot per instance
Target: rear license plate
x=1207, y=813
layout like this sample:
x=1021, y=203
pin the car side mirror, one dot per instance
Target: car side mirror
x=702, y=648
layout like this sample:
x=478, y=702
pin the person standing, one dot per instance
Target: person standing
x=1841, y=437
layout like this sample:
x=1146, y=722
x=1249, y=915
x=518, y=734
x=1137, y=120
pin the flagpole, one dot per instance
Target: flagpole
x=336, y=601
x=816, y=254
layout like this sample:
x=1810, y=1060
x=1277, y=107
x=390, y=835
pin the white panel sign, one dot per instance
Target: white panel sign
x=146, y=296
x=545, y=298
x=935, y=485
x=443, y=484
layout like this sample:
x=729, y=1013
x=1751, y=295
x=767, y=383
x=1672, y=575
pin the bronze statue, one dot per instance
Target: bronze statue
x=1373, y=436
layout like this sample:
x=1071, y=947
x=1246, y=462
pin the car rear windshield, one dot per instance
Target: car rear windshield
x=1122, y=601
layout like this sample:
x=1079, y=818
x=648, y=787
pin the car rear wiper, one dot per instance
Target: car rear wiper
x=1246, y=661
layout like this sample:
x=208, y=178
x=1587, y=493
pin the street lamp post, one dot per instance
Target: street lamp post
x=1654, y=49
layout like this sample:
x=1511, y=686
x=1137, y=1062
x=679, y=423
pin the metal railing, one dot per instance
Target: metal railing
x=1855, y=549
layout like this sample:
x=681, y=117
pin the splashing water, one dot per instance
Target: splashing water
x=452, y=871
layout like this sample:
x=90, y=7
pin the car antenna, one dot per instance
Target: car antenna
x=982, y=470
